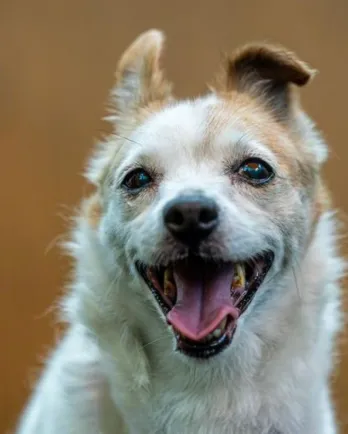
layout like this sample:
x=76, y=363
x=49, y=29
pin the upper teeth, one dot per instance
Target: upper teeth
x=239, y=276
x=168, y=284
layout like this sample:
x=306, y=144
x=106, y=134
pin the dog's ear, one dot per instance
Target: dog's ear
x=139, y=77
x=269, y=72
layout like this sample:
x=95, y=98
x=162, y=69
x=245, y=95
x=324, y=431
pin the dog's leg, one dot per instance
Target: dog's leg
x=72, y=397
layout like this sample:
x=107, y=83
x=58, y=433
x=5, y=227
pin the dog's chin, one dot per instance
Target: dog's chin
x=203, y=299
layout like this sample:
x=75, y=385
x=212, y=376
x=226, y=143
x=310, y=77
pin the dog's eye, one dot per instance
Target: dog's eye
x=256, y=170
x=136, y=180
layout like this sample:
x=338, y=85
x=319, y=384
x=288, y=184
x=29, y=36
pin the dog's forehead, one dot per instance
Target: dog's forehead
x=184, y=122
x=208, y=129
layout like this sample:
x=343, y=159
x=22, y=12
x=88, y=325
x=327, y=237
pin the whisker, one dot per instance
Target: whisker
x=154, y=341
x=109, y=289
x=54, y=242
x=296, y=283
x=296, y=280
x=126, y=138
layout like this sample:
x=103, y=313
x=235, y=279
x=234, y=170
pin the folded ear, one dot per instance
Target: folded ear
x=269, y=72
x=139, y=77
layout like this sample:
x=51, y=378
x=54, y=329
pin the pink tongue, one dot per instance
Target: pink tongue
x=203, y=298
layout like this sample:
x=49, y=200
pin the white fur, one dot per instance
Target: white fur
x=116, y=370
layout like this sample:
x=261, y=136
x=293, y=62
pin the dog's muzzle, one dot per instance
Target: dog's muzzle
x=202, y=297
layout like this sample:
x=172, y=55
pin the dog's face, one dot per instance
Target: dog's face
x=211, y=201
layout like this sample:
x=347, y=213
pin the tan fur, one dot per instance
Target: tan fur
x=256, y=119
x=268, y=62
x=92, y=210
x=150, y=87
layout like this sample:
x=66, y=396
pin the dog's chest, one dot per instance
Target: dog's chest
x=193, y=414
x=186, y=400
x=204, y=426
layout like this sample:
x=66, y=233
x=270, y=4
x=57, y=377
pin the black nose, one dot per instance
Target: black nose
x=190, y=219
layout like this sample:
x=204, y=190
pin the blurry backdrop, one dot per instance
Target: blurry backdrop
x=57, y=59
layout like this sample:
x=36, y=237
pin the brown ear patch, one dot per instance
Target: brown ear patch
x=266, y=62
x=266, y=73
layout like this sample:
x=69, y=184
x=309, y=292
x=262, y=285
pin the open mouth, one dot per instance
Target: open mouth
x=202, y=299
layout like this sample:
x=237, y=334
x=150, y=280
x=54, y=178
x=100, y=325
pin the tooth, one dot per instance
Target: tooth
x=222, y=325
x=169, y=289
x=150, y=274
x=169, y=286
x=239, y=276
x=168, y=274
x=217, y=333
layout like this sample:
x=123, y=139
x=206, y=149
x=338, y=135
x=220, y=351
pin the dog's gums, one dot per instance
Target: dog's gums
x=203, y=299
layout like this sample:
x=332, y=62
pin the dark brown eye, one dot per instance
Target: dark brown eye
x=137, y=180
x=256, y=171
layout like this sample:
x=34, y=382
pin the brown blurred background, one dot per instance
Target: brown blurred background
x=57, y=59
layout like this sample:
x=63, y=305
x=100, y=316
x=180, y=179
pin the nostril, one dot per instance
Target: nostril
x=176, y=217
x=207, y=215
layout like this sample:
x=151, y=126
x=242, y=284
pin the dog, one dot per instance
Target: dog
x=205, y=296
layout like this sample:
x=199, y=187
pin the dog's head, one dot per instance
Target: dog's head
x=210, y=201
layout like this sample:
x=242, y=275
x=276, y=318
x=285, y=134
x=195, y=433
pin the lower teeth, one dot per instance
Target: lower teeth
x=217, y=333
